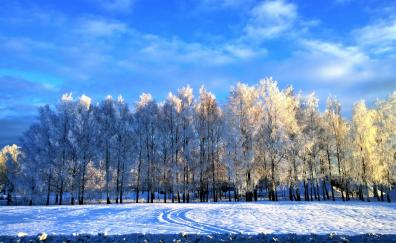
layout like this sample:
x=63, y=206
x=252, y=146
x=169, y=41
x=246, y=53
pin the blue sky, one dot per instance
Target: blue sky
x=96, y=47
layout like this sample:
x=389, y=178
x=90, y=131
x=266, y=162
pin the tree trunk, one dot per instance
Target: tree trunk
x=272, y=189
x=339, y=173
x=388, y=198
x=81, y=201
x=188, y=191
x=48, y=189
x=213, y=180
x=107, y=165
x=122, y=182
x=61, y=192
x=118, y=177
x=306, y=197
x=138, y=176
x=330, y=177
x=365, y=178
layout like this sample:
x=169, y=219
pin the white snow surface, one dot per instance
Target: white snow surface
x=202, y=218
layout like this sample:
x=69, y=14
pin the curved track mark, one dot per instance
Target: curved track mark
x=181, y=214
x=178, y=216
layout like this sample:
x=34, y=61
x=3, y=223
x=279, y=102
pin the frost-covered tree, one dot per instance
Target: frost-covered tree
x=31, y=183
x=123, y=139
x=337, y=131
x=186, y=98
x=208, y=119
x=65, y=154
x=106, y=118
x=242, y=116
x=264, y=141
x=84, y=140
x=385, y=171
x=364, y=137
x=146, y=116
x=9, y=169
x=277, y=124
x=40, y=150
x=311, y=131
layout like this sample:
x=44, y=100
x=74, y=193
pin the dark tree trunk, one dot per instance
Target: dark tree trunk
x=298, y=197
x=81, y=201
x=388, y=198
x=107, y=164
x=122, y=182
x=324, y=190
x=306, y=196
x=61, y=192
x=375, y=192
x=382, y=192
x=48, y=189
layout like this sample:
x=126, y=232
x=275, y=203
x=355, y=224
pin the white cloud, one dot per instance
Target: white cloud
x=210, y=5
x=102, y=27
x=335, y=63
x=117, y=5
x=271, y=18
x=342, y=1
x=176, y=50
x=334, y=51
x=380, y=37
x=319, y=63
x=244, y=51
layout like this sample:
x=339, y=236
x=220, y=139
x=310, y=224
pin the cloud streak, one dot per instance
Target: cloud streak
x=270, y=19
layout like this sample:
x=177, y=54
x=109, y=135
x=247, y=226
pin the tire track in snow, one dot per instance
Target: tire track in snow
x=217, y=229
x=179, y=217
x=168, y=217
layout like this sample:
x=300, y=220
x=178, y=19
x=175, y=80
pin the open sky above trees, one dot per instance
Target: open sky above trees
x=340, y=47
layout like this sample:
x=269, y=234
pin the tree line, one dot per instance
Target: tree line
x=264, y=141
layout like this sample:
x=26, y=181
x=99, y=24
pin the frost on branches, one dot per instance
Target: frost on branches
x=263, y=142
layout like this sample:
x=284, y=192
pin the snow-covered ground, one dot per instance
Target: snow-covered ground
x=209, y=218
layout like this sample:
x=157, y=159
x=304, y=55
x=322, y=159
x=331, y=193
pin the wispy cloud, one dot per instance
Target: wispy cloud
x=22, y=96
x=98, y=27
x=336, y=62
x=379, y=37
x=213, y=5
x=117, y=5
x=269, y=19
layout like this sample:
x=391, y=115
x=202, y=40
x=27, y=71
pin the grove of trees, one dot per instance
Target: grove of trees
x=263, y=142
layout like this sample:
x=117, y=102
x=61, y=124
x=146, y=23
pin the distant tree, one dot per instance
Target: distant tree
x=385, y=171
x=83, y=139
x=146, y=117
x=243, y=117
x=337, y=130
x=123, y=145
x=186, y=98
x=106, y=119
x=364, y=137
x=208, y=117
x=9, y=170
x=264, y=139
x=277, y=124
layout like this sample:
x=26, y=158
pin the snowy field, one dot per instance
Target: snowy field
x=225, y=218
